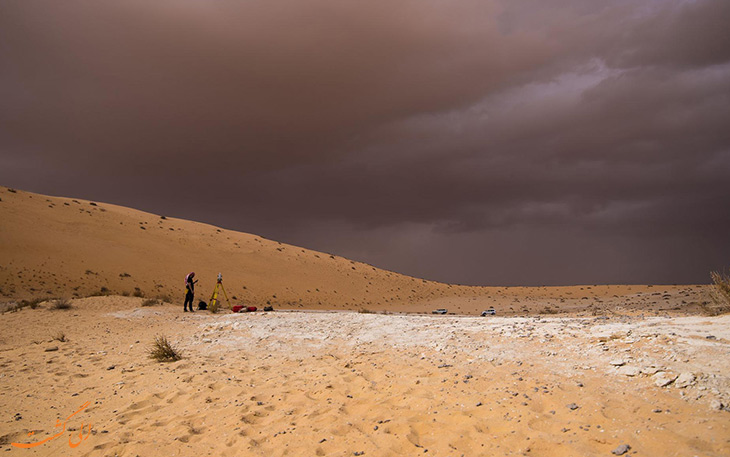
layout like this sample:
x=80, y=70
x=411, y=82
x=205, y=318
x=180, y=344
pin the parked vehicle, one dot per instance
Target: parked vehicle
x=489, y=312
x=440, y=311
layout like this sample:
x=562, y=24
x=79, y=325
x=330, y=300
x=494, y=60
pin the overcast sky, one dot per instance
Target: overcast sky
x=490, y=142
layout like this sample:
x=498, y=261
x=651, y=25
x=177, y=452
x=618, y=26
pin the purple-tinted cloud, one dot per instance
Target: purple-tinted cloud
x=575, y=141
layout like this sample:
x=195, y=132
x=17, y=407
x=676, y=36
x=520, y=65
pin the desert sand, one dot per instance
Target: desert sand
x=351, y=362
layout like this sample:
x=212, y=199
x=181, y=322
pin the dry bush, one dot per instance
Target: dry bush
x=164, y=298
x=60, y=336
x=101, y=292
x=138, y=292
x=163, y=351
x=366, y=311
x=150, y=302
x=61, y=303
x=34, y=303
x=722, y=287
x=549, y=310
x=720, y=294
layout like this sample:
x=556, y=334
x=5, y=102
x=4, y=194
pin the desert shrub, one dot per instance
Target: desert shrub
x=164, y=299
x=138, y=292
x=60, y=336
x=32, y=303
x=163, y=351
x=101, y=292
x=721, y=281
x=150, y=302
x=366, y=311
x=61, y=303
x=549, y=310
x=720, y=294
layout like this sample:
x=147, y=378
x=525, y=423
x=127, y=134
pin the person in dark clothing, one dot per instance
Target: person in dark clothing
x=189, y=291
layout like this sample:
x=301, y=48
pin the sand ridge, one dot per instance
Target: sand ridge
x=66, y=247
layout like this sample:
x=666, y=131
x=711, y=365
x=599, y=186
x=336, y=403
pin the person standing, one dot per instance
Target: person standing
x=189, y=291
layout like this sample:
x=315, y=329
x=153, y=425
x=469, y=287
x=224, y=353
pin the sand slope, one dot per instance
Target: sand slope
x=65, y=247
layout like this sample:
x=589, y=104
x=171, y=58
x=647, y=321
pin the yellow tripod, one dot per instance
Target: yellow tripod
x=214, y=298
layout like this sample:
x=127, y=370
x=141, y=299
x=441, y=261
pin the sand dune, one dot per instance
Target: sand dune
x=73, y=248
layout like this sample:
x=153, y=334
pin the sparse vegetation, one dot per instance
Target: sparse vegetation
x=720, y=294
x=164, y=299
x=32, y=304
x=549, y=310
x=722, y=286
x=61, y=303
x=60, y=336
x=101, y=292
x=366, y=311
x=138, y=292
x=163, y=351
x=150, y=302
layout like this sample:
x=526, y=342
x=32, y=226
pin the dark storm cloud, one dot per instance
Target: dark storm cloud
x=459, y=141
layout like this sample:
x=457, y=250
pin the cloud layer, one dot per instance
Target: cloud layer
x=482, y=142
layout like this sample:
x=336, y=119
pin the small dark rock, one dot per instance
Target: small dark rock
x=711, y=337
x=111, y=367
x=621, y=450
x=52, y=348
x=572, y=406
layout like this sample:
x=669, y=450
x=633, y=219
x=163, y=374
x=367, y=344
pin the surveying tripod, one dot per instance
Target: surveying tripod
x=214, y=298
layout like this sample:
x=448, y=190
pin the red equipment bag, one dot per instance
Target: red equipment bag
x=237, y=308
x=251, y=309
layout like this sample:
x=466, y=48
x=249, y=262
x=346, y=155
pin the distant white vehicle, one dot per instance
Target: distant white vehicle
x=489, y=312
x=440, y=311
